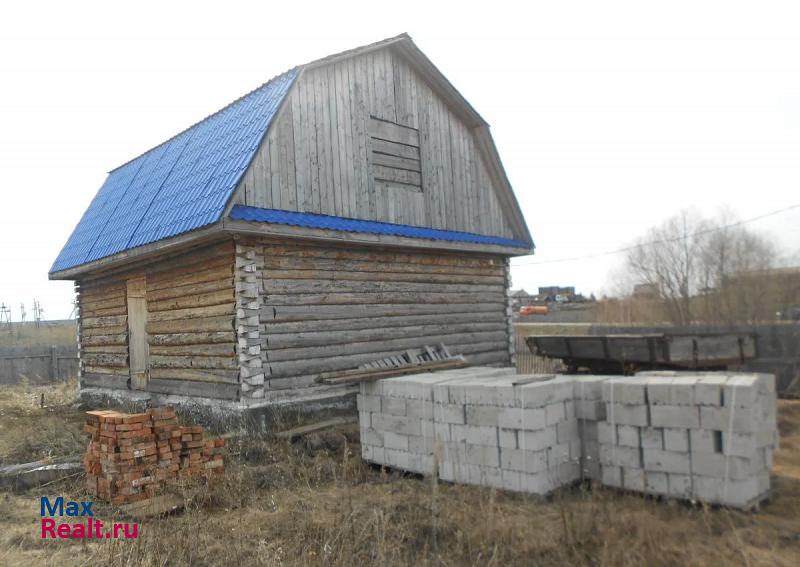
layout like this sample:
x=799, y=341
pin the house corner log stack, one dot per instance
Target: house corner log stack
x=133, y=457
x=708, y=437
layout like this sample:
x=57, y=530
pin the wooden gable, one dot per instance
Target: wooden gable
x=369, y=135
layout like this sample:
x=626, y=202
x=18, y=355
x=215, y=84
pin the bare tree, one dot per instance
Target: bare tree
x=710, y=270
x=667, y=257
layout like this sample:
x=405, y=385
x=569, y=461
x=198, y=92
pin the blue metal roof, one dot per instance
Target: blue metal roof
x=181, y=185
x=313, y=220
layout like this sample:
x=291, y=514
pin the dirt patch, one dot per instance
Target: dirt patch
x=315, y=502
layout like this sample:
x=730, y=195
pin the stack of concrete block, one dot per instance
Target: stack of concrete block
x=706, y=437
x=487, y=427
x=696, y=436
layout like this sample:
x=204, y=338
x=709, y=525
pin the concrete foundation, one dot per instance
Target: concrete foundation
x=706, y=437
x=259, y=415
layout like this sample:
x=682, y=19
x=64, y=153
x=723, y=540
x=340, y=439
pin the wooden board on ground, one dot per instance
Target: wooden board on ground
x=369, y=375
x=314, y=427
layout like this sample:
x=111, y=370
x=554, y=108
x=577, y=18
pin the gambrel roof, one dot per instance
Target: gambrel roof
x=186, y=183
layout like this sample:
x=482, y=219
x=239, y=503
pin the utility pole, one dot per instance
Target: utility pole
x=22, y=313
x=5, y=315
x=37, y=312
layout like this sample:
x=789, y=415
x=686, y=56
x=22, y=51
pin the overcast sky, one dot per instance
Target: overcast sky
x=609, y=116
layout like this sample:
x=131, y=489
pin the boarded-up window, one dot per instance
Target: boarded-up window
x=395, y=154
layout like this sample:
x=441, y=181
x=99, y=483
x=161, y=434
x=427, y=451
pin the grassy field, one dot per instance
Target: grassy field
x=315, y=502
x=48, y=333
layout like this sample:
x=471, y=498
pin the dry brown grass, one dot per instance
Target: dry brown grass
x=45, y=335
x=315, y=502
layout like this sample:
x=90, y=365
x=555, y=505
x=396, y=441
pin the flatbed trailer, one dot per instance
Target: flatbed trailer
x=625, y=354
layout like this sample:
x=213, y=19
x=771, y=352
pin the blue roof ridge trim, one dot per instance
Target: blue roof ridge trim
x=330, y=222
x=209, y=116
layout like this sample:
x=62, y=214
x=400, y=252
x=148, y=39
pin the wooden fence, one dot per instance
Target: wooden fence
x=38, y=365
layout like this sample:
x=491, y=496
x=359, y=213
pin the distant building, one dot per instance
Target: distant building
x=549, y=293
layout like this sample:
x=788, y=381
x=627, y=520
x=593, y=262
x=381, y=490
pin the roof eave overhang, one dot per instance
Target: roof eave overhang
x=147, y=252
x=262, y=229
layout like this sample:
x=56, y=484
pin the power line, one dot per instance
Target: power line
x=664, y=241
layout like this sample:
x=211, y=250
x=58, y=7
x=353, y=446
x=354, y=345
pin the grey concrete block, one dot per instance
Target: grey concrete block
x=590, y=409
x=537, y=440
x=724, y=466
x=396, y=424
x=395, y=441
x=628, y=436
x=704, y=440
x=393, y=406
x=652, y=437
x=633, y=479
x=558, y=454
x=658, y=390
x=565, y=473
x=627, y=391
x=588, y=387
x=522, y=418
x=708, y=391
x=666, y=461
x=611, y=475
x=656, y=483
x=553, y=413
x=746, y=444
x=449, y=413
x=681, y=391
x=422, y=409
x=373, y=454
x=588, y=430
x=615, y=455
x=567, y=431
x=740, y=391
x=523, y=461
x=483, y=415
x=676, y=439
x=607, y=433
x=370, y=436
x=475, y=434
x=680, y=485
x=508, y=438
x=675, y=416
x=364, y=419
x=740, y=420
x=539, y=483
x=736, y=493
x=421, y=444
x=368, y=403
x=627, y=414
x=483, y=455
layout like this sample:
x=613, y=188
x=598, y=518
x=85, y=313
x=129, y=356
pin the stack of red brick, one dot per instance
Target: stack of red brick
x=133, y=456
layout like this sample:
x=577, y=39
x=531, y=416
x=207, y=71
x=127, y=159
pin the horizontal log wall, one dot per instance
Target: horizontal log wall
x=326, y=308
x=103, y=333
x=190, y=325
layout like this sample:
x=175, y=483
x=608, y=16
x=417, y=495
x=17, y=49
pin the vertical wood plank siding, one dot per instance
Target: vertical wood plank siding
x=317, y=157
x=324, y=308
